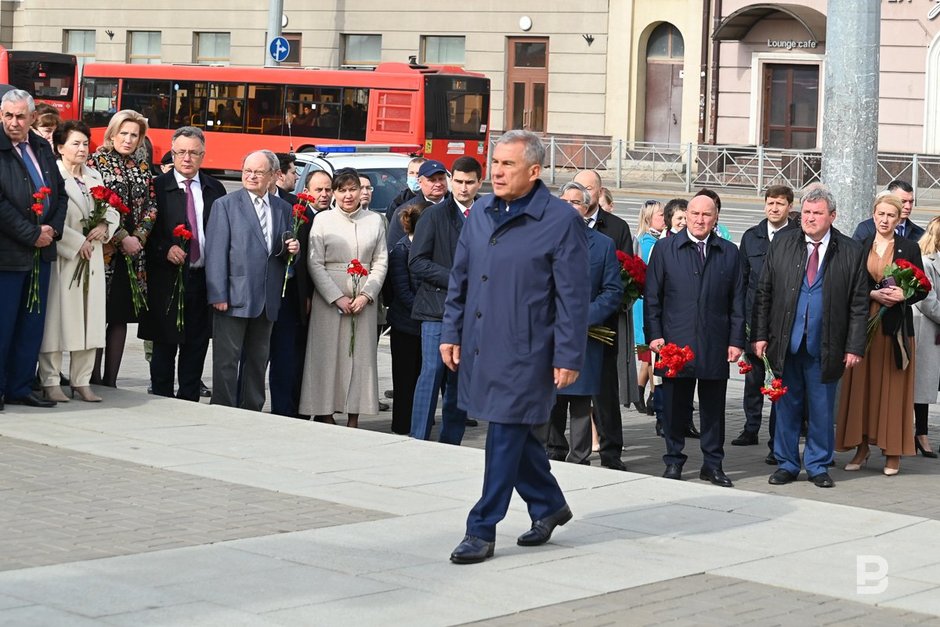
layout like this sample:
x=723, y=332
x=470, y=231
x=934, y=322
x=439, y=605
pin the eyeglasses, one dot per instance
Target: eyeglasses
x=367, y=188
x=192, y=154
x=576, y=203
x=253, y=173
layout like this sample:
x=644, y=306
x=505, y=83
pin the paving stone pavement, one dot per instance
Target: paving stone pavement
x=274, y=521
x=62, y=506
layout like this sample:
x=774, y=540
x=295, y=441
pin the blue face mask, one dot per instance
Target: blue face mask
x=413, y=184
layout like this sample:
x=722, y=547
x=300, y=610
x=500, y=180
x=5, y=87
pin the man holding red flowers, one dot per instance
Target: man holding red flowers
x=809, y=317
x=695, y=296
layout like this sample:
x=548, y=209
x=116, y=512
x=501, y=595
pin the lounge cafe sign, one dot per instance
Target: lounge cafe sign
x=790, y=44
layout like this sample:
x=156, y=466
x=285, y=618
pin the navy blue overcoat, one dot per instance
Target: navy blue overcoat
x=517, y=304
x=685, y=303
x=606, y=294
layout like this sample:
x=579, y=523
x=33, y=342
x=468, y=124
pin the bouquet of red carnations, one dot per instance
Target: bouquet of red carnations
x=633, y=275
x=909, y=278
x=182, y=235
x=674, y=359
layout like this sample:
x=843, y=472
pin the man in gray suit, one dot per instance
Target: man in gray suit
x=248, y=240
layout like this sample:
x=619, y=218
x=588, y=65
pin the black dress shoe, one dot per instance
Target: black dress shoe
x=472, y=550
x=383, y=406
x=771, y=459
x=31, y=400
x=673, y=471
x=614, y=464
x=557, y=456
x=542, y=529
x=716, y=477
x=822, y=480
x=781, y=477
x=747, y=438
x=470, y=422
x=204, y=390
x=692, y=432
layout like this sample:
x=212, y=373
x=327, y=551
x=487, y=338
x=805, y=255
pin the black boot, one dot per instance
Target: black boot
x=640, y=405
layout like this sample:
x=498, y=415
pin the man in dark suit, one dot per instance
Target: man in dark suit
x=247, y=245
x=606, y=297
x=810, y=315
x=906, y=228
x=515, y=322
x=289, y=332
x=184, y=196
x=26, y=166
x=430, y=261
x=778, y=201
x=695, y=296
x=619, y=366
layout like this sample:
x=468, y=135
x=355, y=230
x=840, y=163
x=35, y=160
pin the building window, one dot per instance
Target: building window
x=143, y=47
x=442, y=50
x=665, y=43
x=362, y=49
x=295, y=40
x=212, y=48
x=81, y=43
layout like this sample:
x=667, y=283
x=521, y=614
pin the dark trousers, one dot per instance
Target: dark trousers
x=236, y=384
x=754, y=400
x=20, y=330
x=607, y=411
x=803, y=375
x=197, y=330
x=288, y=354
x=406, y=366
x=920, y=418
x=677, y=412
x=514, y=460
x=552, y=433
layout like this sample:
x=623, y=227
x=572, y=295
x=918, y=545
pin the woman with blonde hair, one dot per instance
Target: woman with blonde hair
x=927, y=335
x=122, y=162
x=649, y=229
x=877, y=397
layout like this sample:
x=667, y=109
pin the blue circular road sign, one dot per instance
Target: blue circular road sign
x=279, y=49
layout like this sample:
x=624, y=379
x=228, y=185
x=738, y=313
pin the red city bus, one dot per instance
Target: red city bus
x=440, y=111
x=50, y=77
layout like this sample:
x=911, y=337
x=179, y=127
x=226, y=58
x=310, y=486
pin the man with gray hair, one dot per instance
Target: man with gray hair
x=515, y=331
x=29, y=228
x=248, y=240
x=809, y=319
x=185, y=195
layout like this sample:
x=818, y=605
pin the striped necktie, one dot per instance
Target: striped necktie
x=263, y=220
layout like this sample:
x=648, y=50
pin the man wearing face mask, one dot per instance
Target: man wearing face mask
x=432, y=181
x=410, y=190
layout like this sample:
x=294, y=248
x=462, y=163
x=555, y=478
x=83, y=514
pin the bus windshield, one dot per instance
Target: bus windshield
x=45, y=80
x=457, y=107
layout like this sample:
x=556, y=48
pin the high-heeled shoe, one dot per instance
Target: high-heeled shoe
x=923, y=451
x=84, y=393
x=890, y=472
x=854, y=466
x=54, y=393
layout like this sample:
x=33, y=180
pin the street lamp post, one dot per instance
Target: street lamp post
x=275, y=11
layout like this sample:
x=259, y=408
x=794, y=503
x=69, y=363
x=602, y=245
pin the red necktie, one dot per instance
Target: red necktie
x=812, y=265
x=193, y=224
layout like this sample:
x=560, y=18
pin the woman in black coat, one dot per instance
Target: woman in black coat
x=405, y=333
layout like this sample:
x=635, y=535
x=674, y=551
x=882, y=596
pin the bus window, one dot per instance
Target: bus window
x=189, y=104
x=318, y=111
x=226, y=107
x=354, y=114
x=456, y=108
x=151, y=99
x=265, y=108
x=44, y=80
x=99, y=100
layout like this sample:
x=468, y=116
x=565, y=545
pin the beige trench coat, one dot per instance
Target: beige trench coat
x=74, y=322
x=333, y=381
x=927, y=333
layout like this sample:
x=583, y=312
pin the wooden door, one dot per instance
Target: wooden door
x=663, y=103
x=527, y=83
x=791, y=106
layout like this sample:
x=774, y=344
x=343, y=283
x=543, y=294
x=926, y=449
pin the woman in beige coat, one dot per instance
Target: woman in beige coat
x=341, y=374
x=75, y=316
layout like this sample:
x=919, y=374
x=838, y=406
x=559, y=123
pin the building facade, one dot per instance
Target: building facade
x=659, y=71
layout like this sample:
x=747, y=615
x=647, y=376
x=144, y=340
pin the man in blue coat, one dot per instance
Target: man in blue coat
x=606, y=297
x=515, y=323
x=695, y=296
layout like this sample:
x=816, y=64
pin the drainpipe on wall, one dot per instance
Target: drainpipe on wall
x=713, y=92
x=703, y=72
